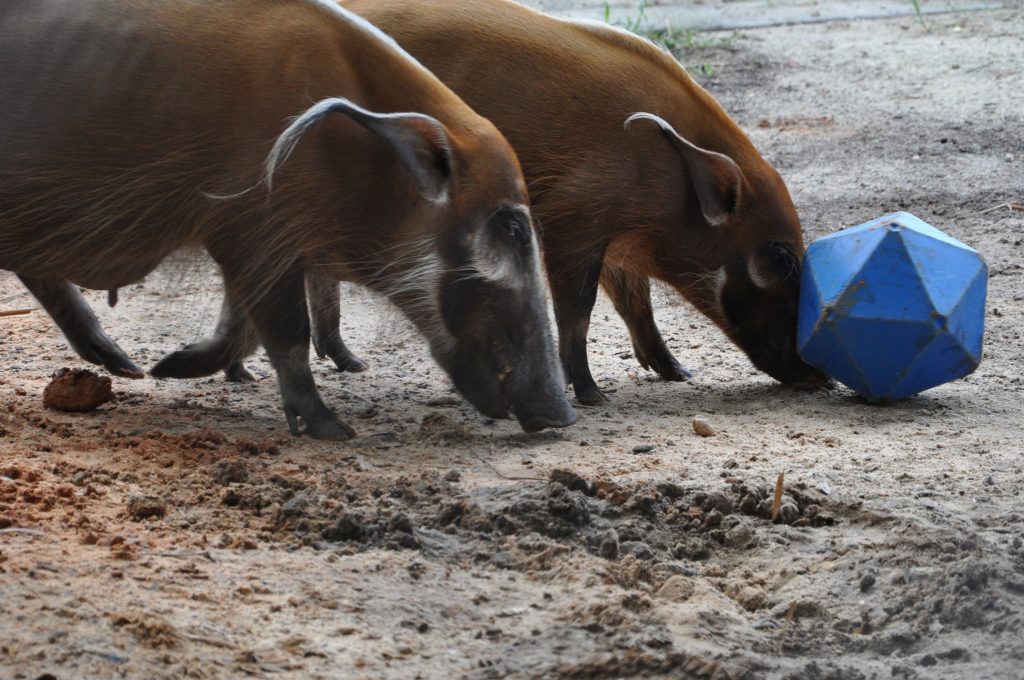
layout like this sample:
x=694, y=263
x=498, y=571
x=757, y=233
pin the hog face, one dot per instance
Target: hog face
x=495, y=342
x=460, y=259
x=759, y=301
x=474, y=286
x=745, y=275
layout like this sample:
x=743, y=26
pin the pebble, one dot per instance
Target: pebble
x=347, y=528
x=142, y=507
x=752, y=598
x=739, y=536
x=400, y=523
x=609, y=548
x=866, y=582
x=702, y=427
x=230, y=472
x=637, y=549
x=789, y=513
x=676, y=589
x=643, y=448
x=77, y=390
x=690, y=549
x=571, y=481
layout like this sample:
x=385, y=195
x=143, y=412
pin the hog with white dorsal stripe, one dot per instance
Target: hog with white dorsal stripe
x=635, y=173
x=133, y=128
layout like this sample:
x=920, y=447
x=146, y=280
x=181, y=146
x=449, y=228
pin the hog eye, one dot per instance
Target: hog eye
x=514, y=226
x=781, y=260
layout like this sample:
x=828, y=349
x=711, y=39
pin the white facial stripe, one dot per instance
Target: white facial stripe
x=497, y=267
x=720, y=279
x=417, y=289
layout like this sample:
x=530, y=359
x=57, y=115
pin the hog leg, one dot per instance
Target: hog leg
x=574, y=291
x=631, y=295
x=282, y=324
x=232, y=341
x=325, y=316
x=76, y=320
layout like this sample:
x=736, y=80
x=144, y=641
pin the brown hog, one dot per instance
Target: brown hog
x=131, y=129
x=675, y=193
x=635, y=173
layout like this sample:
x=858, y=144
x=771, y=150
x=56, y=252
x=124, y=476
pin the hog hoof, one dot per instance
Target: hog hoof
x=195, y=361
x=663, y=363
x=590, y=396
x=350, y=364
x=236, y=372
x=105, y=352
x=671, y=370
x=323, y=426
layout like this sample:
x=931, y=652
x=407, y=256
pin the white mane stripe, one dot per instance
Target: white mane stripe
x=368, y=28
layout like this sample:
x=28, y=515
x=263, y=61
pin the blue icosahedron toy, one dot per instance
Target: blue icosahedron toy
x=892, y=307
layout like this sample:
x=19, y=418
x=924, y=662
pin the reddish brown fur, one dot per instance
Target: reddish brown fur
x=560, y=92
x=120, y=119
x=212, y=135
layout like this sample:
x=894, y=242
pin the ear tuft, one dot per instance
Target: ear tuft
x=715, y=177
x=420, y=141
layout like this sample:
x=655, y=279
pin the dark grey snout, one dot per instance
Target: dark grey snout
x=542, y=416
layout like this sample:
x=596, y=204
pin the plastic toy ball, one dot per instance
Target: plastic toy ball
x=892, y=307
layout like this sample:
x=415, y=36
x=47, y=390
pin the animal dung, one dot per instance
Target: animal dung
x=702, y=427
x=77, y=390
x=892, y=307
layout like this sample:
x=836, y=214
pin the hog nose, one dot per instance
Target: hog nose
x=557, y=415
x=808, y=379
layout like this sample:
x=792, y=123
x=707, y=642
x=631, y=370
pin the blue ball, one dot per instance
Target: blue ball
x=892, y=307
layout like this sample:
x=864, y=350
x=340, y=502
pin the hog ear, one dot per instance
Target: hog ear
x=420, y=141
x=716, y=177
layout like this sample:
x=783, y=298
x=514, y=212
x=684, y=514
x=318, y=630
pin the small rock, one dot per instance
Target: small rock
x=230, y=472
x=690, y=549
x=712, y=519
x=739, y=536
x=453, y=476
x=400, y=523
x=142, y=507
x=347, y=528
x=866, y=582
x=77, y=390
x=749, y=504
x=609, y=548
x=637, y=549
x=702, y=427
x=928, y=660
x=752, y=598
x=296, y=506
x=643, y=448
x=789, y=513
x=718, y=501
x=571, y=481
x=676, y=589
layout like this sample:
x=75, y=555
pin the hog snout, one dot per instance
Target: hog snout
x=538, y=404
x=537, y=395
x=537, y=416
x=789, y=369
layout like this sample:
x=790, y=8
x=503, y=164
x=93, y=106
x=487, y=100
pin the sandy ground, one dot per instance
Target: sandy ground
x=179, y=532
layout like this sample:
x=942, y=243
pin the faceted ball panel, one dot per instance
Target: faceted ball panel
x=892, y=307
